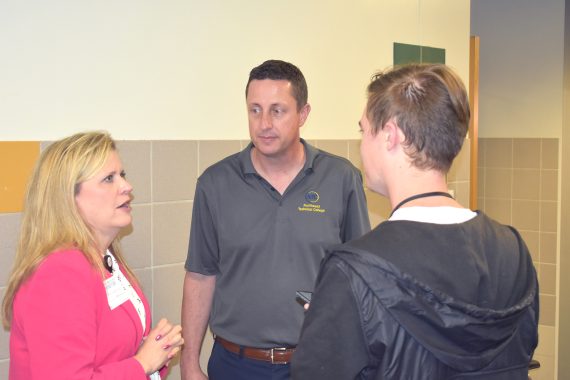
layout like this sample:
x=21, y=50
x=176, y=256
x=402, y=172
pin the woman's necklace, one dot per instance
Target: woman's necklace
x=422, y=195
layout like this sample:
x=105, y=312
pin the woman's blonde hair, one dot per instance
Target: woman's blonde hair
x=51, y=220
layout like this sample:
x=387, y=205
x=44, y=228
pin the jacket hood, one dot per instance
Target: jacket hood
x=463, y=335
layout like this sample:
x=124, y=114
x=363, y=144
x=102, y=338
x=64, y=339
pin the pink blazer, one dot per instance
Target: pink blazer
x=63, y=327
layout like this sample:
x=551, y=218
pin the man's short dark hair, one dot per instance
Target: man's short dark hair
x=429, y=104
x=281, y=70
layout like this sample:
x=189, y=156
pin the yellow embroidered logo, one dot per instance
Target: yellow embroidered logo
x=312, y=197
x=307, y=207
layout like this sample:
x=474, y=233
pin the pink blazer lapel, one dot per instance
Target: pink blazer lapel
x=128, y=308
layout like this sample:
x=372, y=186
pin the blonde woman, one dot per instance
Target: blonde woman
x=73, y=306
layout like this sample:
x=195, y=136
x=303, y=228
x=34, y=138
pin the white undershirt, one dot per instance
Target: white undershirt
x=131, y=292
x=437, y=215
x=133, y=297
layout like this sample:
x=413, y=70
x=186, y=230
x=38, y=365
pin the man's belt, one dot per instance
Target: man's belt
x=278, y=355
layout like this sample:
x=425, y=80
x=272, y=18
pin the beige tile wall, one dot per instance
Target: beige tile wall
x=518, y=185
x=9, y=224
x=458, y=178
x=163, y=175
x=4, y=348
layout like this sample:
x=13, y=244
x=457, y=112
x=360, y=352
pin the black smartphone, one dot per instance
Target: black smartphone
x=303, y=297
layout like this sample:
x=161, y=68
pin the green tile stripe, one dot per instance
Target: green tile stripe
x=406, y=53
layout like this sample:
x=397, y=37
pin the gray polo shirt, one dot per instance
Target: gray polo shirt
x=263, y=246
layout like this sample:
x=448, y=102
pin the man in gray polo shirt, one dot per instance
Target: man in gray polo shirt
x=260, y=223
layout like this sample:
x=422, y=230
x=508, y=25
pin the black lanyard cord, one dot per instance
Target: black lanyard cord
x=422, y=195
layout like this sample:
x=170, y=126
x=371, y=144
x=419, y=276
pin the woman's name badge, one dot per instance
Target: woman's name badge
x=116, y=292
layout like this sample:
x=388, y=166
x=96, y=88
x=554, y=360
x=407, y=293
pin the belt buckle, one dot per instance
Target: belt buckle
x=279, y=349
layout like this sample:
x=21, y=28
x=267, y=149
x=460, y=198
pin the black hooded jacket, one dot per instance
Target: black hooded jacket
x=413, y=300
